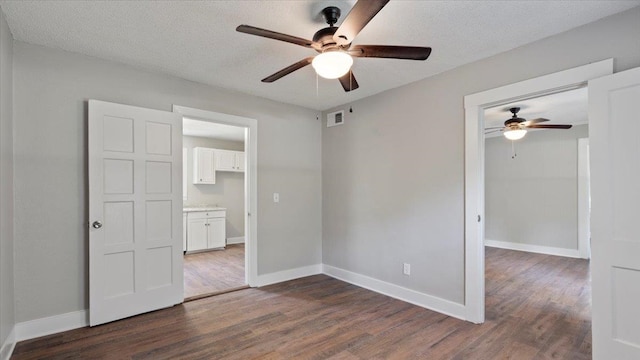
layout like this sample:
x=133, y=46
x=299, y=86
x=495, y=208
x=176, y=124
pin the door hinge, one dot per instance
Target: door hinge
x=479, y=218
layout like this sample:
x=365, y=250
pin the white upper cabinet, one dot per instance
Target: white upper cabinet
x=228, y=160
x=204, y=166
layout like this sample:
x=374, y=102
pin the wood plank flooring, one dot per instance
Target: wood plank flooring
x=537, y=308
x=214, y=271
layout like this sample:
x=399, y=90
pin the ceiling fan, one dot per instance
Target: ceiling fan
x=516, y=127
x=334, y=44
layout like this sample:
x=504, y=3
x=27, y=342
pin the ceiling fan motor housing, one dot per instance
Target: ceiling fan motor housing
x=331, y=15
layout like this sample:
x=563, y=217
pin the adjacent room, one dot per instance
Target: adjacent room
x=537, y=206
x=213, y=167
x=312, y=179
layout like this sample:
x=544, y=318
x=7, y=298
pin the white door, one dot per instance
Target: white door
x=614, y=131
x=135, y=209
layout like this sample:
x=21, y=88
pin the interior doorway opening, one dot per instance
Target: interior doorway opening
x=219, y=158
x=213, y=208
x=475, y=104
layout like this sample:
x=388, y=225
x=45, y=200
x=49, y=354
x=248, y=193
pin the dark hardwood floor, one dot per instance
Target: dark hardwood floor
x=213, y=271
x=537, y=308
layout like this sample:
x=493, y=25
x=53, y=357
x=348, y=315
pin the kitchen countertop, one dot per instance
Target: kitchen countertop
x=202, y=208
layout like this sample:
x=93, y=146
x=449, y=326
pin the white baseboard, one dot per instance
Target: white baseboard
x=8, y=345
x=548, y=250
x=235, y=240
x=51, y=325
x=286, y=275
x=395, y=291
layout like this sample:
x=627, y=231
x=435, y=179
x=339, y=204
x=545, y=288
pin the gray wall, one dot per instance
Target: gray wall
x=51, y=88
x=393, y=174
x=228, y=191
x=533, y=199
x=7, y=319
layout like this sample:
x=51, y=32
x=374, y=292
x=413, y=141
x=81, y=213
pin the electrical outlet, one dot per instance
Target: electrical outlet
x=276, y=197
x=406, y=269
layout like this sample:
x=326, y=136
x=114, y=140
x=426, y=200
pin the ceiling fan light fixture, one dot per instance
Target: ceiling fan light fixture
x=332, y=64
x=516, y=134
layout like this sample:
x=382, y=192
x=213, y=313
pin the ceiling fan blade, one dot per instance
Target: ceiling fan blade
x=359, y=16
x=494, y=127
x=288, y=70
x=348, y=81
x=534, y=121
x=549, y=126
x=391, y=52
x=275, y=35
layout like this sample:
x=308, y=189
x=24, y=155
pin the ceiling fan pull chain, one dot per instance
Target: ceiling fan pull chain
x=513, y=149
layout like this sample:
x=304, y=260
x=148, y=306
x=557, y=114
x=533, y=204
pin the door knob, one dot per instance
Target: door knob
x=96, y=224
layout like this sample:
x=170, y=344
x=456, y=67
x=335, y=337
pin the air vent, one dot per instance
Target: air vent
x=335, y=118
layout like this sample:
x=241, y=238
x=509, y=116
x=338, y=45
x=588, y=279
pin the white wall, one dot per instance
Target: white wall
x=228, y=191
x=7, y=319
x=393, y=174
x=51, y=89
x=533, y=198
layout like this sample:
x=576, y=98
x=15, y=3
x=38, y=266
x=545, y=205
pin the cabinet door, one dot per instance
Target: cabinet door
x=217, y=233
x=225, y=160
x=197, y=234
x=204, y=170
x=240, y=161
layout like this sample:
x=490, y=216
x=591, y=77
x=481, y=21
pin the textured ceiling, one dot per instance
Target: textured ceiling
x=568, y=107
x=196, y=40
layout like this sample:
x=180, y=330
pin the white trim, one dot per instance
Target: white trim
x=251, y=181
x=584, y=206
x=474, y=163
x=9, y=344
x=397, y=292
x=290, y=274
x=51, y=325
x=548, y=250
x=235, y=240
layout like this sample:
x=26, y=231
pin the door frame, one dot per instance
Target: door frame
x=475, y=104
x=250, y=182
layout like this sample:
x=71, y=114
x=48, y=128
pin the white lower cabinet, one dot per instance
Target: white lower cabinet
x=206, y=230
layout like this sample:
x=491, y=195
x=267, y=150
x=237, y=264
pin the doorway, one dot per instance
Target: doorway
x=475, y=106
x=537, y=188
x=219, y=162
x=213, y=207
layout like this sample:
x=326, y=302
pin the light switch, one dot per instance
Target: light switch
x=276, y=197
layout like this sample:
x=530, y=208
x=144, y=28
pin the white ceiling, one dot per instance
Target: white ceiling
x=569, y=107
x=191, y=127
x=196, y=40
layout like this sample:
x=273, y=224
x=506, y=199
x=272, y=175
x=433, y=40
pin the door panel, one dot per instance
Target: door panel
x=615, y=174
x=135, y=204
